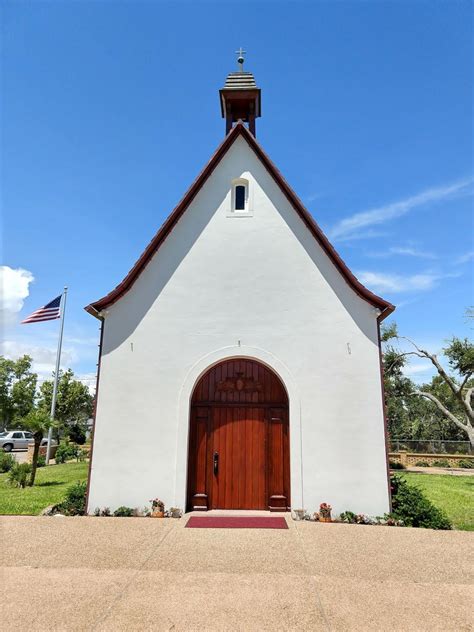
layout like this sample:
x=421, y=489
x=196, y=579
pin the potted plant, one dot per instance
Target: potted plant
x=157, y=508
x=325, y=512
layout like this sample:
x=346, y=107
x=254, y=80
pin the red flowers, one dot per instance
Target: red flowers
x=158, y=504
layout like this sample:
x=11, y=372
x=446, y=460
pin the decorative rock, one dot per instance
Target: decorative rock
x=48, y=511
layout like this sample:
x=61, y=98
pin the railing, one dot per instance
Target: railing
x=410, y=459
x=430, y=446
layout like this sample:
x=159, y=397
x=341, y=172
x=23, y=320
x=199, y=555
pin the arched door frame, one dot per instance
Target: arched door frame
x=184, y=405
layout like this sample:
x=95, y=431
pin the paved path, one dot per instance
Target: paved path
x=21, y=456
x=150, y=574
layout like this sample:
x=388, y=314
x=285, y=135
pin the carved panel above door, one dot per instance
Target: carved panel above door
x=240, y=383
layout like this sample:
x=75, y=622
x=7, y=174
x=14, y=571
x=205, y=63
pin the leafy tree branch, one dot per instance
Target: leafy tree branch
x=451, y=392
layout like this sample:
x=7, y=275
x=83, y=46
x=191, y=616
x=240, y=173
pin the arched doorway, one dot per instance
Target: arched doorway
x=239, y=454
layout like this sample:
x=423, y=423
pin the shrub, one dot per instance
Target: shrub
x=441, y=463
x=19, y=475
x=77, y=434
x=81, y=454
x=41, y=460
x=7, y=461
x=65, y=452
x=390, y=520
x=422, y=464
x=394, y=465
x=411, y=505
x=365, y=519
x=124, y=512
x=466, y=463
x=348, y=516
x=75, y=502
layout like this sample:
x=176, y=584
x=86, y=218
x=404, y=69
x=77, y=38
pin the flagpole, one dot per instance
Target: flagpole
x=56, y=373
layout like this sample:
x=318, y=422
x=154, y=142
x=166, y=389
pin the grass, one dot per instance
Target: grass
x=49, y=489
x=453, y=494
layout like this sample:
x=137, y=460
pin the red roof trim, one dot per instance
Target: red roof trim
x=239, y=130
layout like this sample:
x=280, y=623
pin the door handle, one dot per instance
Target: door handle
x=215, y=460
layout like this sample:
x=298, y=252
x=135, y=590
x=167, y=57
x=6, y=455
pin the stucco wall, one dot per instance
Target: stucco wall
x=257, y=286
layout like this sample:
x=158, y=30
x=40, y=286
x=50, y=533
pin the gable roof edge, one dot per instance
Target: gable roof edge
x=239, y=129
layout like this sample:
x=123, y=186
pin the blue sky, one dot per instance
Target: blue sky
x=111, y=109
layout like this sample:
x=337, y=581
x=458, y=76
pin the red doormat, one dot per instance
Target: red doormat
x=236, y=522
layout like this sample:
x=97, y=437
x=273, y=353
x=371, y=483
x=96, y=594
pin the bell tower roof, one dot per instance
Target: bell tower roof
x=240, y=80
x=240, y=97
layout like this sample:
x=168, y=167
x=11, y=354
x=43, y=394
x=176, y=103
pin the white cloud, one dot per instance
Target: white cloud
x=314, y=196
x=44, y=358
x=465, y=258
x=350, y=227
x=411, y=252
x=419, y=373
x=368, y=234
x=404, y=251
x=414, y=369
x=89, y=380
x=87, y=342
x=380, y=282
x=14, y=289
x=408, y=301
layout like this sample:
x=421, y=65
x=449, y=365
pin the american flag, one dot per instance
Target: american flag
x=48, y=312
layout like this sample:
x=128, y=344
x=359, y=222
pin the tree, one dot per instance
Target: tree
x=74, y=403
x=78, y=433
x=24, y=388
x=38, y=422
x=6, y=380
x=451, y=393
x=17, y=389
x=398, y=389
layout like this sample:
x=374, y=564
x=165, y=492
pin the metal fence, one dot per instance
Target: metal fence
x=431, y=446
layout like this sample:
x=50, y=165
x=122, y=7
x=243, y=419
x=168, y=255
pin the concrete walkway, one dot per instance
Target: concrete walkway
x=150, y=574
x=21, y=456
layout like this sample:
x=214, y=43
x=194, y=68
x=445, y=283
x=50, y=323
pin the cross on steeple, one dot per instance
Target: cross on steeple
x=240, y=58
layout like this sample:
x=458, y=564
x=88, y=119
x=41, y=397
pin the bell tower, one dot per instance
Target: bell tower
x=240, y=97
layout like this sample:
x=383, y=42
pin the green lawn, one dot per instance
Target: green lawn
x=49, y=489
x=454, y=494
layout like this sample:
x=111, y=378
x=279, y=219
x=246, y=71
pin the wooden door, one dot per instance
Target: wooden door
x=238, y=458
x=239, y=439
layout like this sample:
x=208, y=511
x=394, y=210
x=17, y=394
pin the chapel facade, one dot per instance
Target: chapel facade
x=240, y=362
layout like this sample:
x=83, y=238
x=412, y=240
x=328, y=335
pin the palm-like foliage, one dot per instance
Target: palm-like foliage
x=38, y=423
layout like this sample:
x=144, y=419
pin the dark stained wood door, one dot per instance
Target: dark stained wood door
x=239, y=458
x=239, y=439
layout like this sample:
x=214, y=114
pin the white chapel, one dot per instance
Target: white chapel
x=240, y=357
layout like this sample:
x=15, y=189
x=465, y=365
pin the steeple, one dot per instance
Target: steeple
x=240, y=97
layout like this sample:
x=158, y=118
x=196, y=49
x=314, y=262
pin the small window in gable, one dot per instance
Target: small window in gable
x=240, y=197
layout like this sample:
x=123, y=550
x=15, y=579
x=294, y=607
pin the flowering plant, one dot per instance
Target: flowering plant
x=325, y=510
x=388, y=519
x=157, y=504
